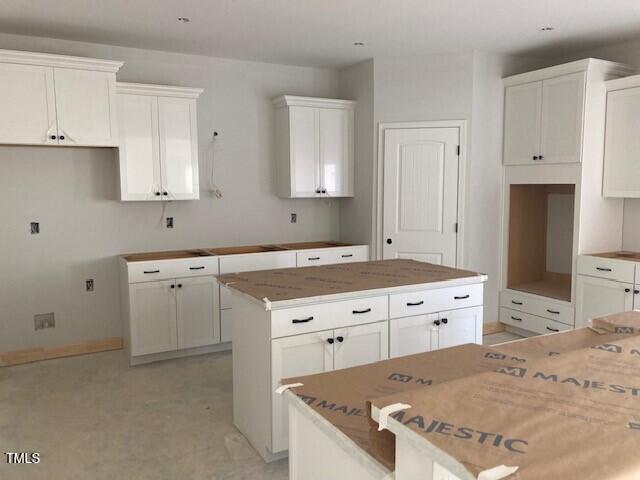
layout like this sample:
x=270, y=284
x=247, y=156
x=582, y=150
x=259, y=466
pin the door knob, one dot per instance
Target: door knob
x=340, y=339
x=330, y=341
x=389, y=241
x=445, y=320
x=436, y=323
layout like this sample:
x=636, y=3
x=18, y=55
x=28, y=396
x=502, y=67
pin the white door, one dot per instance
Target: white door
x=361, y=344
x=411, y=335
x=86, y=107
x=153, y=317
x=293, y=357
x=458, y=327
x=139, y=149
x=420, y=205
x=562, y=114
x=178, y=148
x=622, y=144
x=196, y=312
x=336, y=152
x=522, y=122
x=597, y=297
x=27, y=103
x=304, y=151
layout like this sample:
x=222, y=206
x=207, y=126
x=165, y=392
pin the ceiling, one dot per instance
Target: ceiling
x=322, y=32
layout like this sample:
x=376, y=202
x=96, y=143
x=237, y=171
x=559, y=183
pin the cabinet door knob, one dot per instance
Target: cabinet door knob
x=324, y=190
x=436, y=323
x=317, y=190
x=340, y=339
x=330, y=341
x=627, y=290
x=541, y=157
x=165, y=193
x=157, y=194
x=61, y=137
x=636, y=292
x=535, y=157
x=445, y=320
x=179, y=285
x=173, y=286
x=52, y=137
x=389, y=241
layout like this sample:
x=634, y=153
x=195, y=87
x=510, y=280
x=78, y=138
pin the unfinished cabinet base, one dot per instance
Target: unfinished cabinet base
x=156, y=357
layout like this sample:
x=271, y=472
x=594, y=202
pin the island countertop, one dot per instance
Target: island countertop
x=293, y=286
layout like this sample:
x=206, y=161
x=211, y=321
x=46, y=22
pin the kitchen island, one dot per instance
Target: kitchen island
x=303, y=321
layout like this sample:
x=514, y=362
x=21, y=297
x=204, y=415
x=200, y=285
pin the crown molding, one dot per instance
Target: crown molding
x=59, y=61
x=291, y=100
x=158, y=90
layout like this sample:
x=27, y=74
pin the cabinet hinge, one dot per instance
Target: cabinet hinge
x=458, y=150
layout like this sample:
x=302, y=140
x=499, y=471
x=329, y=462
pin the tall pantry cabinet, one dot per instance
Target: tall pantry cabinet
x=553, y=208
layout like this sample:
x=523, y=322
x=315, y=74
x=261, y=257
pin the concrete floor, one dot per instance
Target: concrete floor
x=94, y=417
x=501, y=337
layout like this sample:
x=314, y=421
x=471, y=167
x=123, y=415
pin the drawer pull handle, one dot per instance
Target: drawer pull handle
x=348, y=255
x=555, y=312
x=516, y=303
x=415, y=304
x=516, y=318
x=356, y=312
x=147, y=272
x=313, y=258
x=196, y=268
x=464, y=297
x=602, y=269
x=553, y=329
x=302, y=320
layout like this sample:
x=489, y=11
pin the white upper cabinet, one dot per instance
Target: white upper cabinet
x=315, y=147
x=57, y=100
x=522, y=114
x=158, y=142
x=543, y=120
x=622, y=139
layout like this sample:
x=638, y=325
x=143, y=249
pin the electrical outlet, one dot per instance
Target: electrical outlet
x=169, y=222
x=89, y=285
x=294, y=218
x=35, y=228
x=44, y=320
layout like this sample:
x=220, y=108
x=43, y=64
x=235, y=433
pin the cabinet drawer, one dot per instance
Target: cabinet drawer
x=352, y=254
x=256, y=261
x=435, y=300
x=613, y=269
x=560, y=312
x=325, y=316
x=530, y=322
x=166, y=269
x=308, y=258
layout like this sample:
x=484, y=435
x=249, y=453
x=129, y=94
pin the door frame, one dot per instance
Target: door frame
x=378, y=181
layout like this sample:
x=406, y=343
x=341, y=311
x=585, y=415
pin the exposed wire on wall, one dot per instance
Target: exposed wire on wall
x=213, y=188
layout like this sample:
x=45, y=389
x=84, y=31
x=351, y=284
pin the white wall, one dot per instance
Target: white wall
x=73, y=194
x=356, y=83
x=625, y=52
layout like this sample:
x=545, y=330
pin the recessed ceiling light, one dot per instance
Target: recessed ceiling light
x=184, y=19
x=358, y=44
x=547, y=29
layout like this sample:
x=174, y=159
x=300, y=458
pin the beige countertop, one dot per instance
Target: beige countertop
x=622, y=255
x=305, y=282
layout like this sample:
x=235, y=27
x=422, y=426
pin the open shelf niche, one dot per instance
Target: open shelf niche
x=540, y=248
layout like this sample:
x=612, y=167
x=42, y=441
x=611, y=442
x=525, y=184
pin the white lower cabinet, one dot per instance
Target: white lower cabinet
x=292, y=357
x=361, y=344
x=196, y=308
x=423, y=333
x=175, y=314
x=153, y=319
x=597, y=297
x=411, y=335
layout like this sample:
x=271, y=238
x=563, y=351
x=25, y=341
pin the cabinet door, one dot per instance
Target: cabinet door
x=153, y=317
x=86, y=107
x=361, y=344
x=562, y=115
x=522, y=118
x=336, y=152
x=196, y=312
x=304, y=151
x=622, y=144
x=27, y=103
x=458, y=327
x=138, y=147
x=596, y=297
x=411, y=335
x=292, y=357
x=178, y=148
